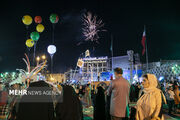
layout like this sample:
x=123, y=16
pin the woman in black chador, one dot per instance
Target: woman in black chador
x=99, y=105
x=36, y=107
x=70, y=108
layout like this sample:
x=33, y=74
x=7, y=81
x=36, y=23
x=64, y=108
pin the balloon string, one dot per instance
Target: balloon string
x=51, y=63
x=53, y=25
x=28, y=49
x=27, y=31
x=34, y=60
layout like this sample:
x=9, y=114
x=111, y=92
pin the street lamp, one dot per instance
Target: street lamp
x=38, y=59
x=130, y=54
x=51, y=50
x=43, y=57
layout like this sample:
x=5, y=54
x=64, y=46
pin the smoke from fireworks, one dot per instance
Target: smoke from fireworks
x=92, y=26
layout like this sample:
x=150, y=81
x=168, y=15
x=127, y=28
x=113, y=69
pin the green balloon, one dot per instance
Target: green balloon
x=35, y=36
x=54, y=18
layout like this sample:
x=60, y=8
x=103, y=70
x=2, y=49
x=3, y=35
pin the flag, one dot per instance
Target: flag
x=143, y=42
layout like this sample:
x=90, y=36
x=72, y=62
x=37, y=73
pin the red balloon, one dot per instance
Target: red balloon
x=57, y=19
x=38, y=19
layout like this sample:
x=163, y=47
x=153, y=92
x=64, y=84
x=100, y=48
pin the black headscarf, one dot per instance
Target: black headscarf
x=36, y=110
x=99, y=105
x=71, y=107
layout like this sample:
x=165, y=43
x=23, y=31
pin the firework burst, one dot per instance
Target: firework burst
x=91, y=27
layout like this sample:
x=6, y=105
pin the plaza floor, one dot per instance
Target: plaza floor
x=88, y=114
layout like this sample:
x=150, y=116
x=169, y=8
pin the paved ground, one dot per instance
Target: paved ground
x=167, y=117
x=88, y=114
x=174, y=116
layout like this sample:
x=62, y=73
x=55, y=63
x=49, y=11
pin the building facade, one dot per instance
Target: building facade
x=94, y=66
x=91, y=69
x=168, y=69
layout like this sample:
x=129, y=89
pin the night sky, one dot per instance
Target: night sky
x=124, y=20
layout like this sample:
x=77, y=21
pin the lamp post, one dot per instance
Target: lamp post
x=51, y=50
x=131, y=59
x=38, y=59
x=43, y=57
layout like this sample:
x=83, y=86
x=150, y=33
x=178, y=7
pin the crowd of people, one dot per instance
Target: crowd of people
x=171, y=90
x=110, y=102
x=65, y=105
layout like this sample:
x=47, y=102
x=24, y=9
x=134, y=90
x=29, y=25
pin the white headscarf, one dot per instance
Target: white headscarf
x=152, y=83
x=144, y=109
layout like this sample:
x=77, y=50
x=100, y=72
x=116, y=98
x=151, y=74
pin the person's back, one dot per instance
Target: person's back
x=120, y=97
x=132, y=93
x=70, y=108
x=99, y=105
x=36, y=107
x=119, y=90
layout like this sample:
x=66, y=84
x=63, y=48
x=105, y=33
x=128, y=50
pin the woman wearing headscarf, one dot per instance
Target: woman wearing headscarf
x=88, y=95
x=149, y=105
x=36, y=107
x=99, y=105
x=70, y=107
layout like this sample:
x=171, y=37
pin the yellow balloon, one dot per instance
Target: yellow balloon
x=29, y=43
x=40, y=28
x=27, y=20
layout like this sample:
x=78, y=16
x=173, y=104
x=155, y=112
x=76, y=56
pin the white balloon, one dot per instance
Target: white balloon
x=51, y=49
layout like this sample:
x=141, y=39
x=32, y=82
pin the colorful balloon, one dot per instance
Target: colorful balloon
x=38, y=19
x=54, y=18
x=27, y=20
x=35, y=36
x=40, y=28
x=29, y=43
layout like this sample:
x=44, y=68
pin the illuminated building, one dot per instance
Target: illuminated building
x=96, y=65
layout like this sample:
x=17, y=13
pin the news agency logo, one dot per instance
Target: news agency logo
x=17, y=92
x=35, y=92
